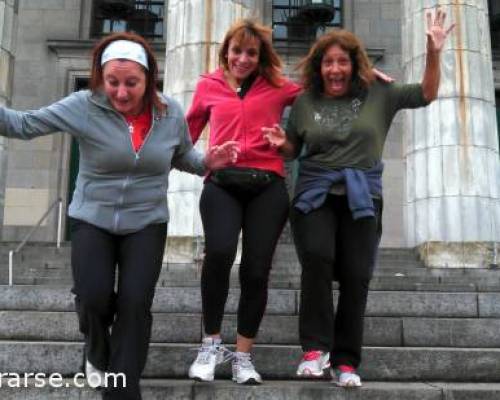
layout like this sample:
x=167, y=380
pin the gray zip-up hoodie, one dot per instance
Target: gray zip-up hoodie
x=117, y=189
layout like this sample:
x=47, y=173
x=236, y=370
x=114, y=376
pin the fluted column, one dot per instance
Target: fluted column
x=453, y=170
x=8, y=20
x=195, y=28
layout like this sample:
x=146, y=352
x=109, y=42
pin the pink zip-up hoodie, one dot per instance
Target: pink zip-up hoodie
x=233, y=118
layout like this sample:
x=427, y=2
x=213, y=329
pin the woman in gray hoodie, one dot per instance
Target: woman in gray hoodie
x=129, y=138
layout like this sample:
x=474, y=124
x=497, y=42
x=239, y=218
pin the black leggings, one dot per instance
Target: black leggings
x=261, y=218
x=331, y=245
x=95, y=255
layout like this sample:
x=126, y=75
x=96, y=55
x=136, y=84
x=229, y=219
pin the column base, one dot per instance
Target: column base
x=460, y=254
x=188, y=250
x=183, y=249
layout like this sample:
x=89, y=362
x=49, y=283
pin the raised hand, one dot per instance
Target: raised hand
x=436, y=32
x=220, y=156
x=276, y=136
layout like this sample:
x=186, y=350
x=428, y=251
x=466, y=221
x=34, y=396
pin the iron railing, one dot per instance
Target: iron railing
x=58, y=203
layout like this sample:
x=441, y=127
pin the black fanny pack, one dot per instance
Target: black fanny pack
x=243, y=179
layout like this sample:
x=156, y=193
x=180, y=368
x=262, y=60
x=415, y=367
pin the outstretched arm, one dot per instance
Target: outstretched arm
x=436, y=37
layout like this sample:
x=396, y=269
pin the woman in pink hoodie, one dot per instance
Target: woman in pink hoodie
x=246, y=93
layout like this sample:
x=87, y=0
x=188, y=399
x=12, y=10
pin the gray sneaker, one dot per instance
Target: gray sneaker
x=210, y=354
x=243, y=370
x=313, y=364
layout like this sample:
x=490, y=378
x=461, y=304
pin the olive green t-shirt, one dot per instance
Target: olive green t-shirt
x=348, y=132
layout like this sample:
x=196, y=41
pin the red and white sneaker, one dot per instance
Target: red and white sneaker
x=346, y=376
x=313, y=364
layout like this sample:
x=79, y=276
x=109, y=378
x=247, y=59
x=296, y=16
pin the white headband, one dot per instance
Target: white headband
x=127, y=50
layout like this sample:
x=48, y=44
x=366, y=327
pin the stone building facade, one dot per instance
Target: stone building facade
x=441, y=163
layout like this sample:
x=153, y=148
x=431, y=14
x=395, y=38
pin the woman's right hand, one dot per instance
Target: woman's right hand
x=222, y=155
x=275, y=135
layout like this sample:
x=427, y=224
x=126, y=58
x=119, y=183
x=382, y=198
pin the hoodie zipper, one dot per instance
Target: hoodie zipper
x=116, y=215
x=243, y=139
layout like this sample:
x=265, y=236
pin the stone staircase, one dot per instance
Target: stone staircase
x=429, y=333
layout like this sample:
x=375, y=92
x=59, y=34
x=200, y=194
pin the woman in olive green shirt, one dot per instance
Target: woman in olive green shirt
x=339, y=126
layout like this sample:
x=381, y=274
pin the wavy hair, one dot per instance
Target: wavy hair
x=310, y=66
x=245, y=30
x=151, y=97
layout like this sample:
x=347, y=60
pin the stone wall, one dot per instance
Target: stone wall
x=8, y=21
x=33, y=168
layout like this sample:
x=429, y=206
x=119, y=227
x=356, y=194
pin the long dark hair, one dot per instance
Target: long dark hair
x=351, y=44
x=96, y=80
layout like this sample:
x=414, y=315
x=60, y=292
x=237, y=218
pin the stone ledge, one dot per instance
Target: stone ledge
x=459, y=254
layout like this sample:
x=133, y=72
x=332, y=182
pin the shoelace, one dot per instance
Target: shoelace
x=312, y=355
x=244, y=361
x=204, y=353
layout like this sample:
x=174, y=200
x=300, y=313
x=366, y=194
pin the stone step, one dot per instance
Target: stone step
x=36, y=252
x=280, y=302
x=398, y=269
x=47, y=254
x=389, y=278
x=195, y=270
x=409, y=364
x=54, y=259
x=387, y=267
x=270, y=390
x=389, y=252
x=287, y=282
x=275, y=329
x=281, y=248
x=377, y=284
x=275, y=390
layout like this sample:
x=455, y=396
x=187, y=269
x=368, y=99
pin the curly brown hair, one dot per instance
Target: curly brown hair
x=151, y=97
x=270, y=66
x=311, y=65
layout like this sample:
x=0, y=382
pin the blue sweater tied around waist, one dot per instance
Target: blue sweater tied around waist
x=314, y=184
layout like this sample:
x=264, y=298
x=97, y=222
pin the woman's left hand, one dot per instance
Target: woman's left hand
x=219, y=156
x=436, y=32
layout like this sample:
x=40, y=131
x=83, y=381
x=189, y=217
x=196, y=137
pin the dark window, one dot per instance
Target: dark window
x=497, y=98
x=141, y=16
x=494, y=11
x=299, y=21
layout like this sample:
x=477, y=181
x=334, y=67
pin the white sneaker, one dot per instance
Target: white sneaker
x=210, y=354
x=346, y=376
x=243, y=370
x=95, y=377
x=313, y=364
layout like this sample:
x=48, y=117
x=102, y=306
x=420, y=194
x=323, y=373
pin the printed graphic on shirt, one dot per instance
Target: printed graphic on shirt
x=334, y=122
x=337, y=117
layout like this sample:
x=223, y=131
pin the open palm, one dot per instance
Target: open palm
x=220, y=156
x=436, y=32
x=275, y=135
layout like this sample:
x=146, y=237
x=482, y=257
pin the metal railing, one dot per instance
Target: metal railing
x=58, y=203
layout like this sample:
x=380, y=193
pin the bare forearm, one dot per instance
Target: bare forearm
x=432, y=75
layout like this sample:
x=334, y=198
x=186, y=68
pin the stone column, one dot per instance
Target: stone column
x=195, y=28
x=452, y=159
x=8, y=19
